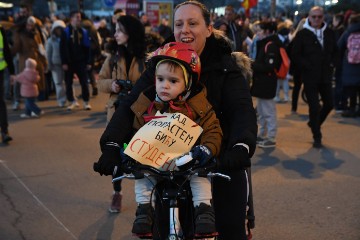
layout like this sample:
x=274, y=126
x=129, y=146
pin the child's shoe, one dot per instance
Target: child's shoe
x=144, y=219
x=205, y=220
x=116, y=203
x=34, y=115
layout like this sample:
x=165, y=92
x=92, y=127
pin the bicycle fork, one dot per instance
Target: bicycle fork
x=175, y=232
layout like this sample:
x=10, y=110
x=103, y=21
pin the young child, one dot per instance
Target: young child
x=177, y=89
x=29, y=89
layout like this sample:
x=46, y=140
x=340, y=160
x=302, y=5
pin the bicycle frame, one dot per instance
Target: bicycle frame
x=140, y=171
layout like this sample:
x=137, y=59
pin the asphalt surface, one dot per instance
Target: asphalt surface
x=48, y=189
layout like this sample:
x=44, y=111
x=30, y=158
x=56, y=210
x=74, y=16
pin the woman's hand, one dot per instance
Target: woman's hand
x=115, y=88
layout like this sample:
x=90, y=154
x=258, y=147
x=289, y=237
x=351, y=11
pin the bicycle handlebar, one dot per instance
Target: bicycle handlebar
x=140, y=171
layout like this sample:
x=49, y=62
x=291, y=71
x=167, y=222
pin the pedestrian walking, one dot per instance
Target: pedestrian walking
x=28, y=80
x=348, y=45
x=314, y=51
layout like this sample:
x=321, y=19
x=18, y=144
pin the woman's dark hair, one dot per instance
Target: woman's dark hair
x=136, y=32
x=271, y=26
x=204, y=10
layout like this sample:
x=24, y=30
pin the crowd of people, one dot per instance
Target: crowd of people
x=40, y=58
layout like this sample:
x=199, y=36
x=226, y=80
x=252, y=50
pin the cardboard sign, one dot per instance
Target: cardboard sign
x=160, y=141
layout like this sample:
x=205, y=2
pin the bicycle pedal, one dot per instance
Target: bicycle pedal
x=206, y=235
x=144, y=236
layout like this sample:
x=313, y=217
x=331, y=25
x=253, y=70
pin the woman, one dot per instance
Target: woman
x=28, y=43
x=228, y=93
x=126, y=62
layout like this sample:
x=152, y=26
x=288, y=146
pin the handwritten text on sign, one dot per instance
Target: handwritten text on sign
x=162, y=139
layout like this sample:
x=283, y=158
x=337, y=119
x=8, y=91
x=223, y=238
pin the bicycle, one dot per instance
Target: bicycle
x=173, y=203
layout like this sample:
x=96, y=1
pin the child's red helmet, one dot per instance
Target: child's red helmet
x=182, y=53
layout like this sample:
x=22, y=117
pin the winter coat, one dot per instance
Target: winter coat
x=228, y=93
x=27, y=45
x=109, y=72
x=266, y=61
x=75, y=51
x=201, y=112
x=350, y=72
x=53, y=51
x=314, y=60
x=28, y=80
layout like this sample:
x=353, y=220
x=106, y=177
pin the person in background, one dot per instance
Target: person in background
x=164, y=30
x=95, y=53
x=340, y=102
x=54, y=59
x=5, y=62
x=104, y=32
x=265, y=81
x=75, y=59
x=283, y=34
x=314, y=51
x=294, y=70
x=28, y=79
x=126, y=62
x=234, y=31
x=145, y=21
x=225, y=86
x=116, y=14
x=255, y=28
x=350, y=70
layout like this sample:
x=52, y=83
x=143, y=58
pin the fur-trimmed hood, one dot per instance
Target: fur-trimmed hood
x=244, y=63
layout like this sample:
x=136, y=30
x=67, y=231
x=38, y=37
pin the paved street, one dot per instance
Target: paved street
x=48, y=189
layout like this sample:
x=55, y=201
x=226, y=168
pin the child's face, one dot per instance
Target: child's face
x=170, y=81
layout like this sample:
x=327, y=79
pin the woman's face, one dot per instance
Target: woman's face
x=190, y=27
x=120, y=36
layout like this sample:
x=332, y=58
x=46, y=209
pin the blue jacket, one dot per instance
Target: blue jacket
x=75, y=51
x=350, y=72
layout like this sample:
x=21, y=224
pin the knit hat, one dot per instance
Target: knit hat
x=58, y=23
x=31, y=20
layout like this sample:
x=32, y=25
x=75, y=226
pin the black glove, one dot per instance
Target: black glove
x=202, y=154
x=109, y=158
x=235, y=159
x=127, y=163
